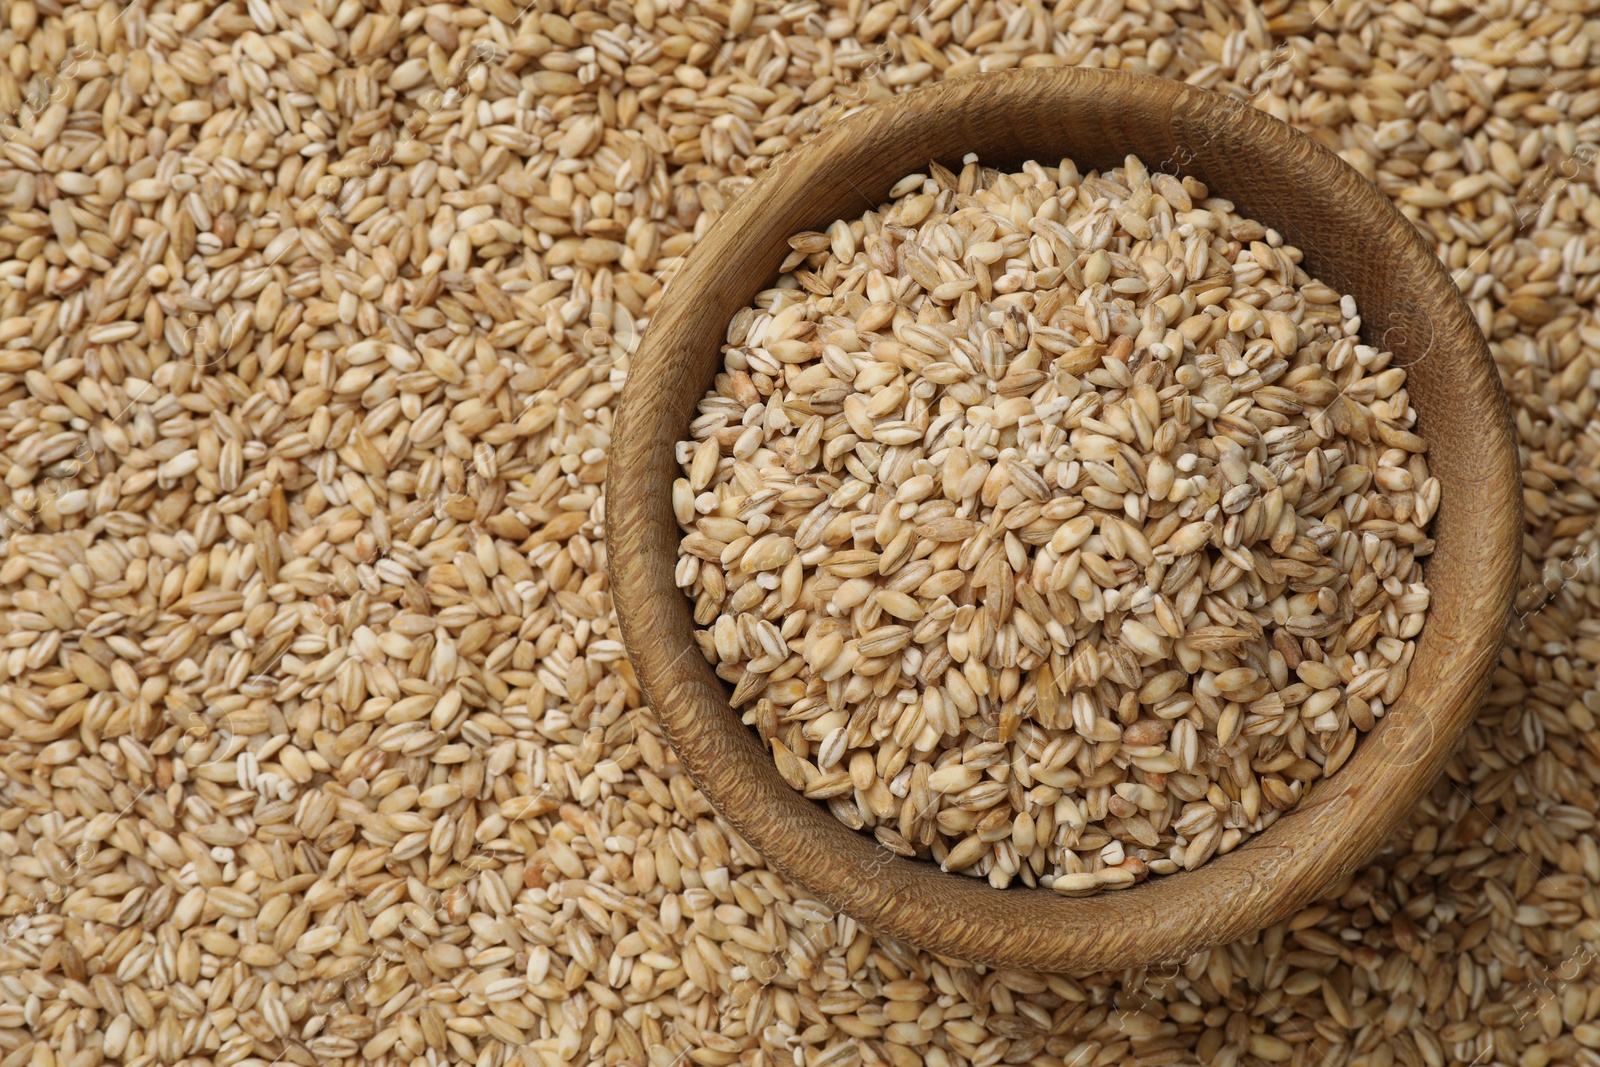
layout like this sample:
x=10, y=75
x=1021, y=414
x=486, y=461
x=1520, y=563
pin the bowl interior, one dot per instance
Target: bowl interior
x=1353, y=240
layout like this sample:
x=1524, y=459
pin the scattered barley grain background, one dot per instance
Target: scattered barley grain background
x=316, y=739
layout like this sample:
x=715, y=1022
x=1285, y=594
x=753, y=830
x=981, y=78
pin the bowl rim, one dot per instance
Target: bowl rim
x=1268, y=877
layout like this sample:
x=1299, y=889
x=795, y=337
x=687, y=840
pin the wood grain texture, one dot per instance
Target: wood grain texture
x=1353, y=239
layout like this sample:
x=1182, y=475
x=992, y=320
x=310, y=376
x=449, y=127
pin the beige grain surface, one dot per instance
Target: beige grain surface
x=316, y=742
x=1055, y=526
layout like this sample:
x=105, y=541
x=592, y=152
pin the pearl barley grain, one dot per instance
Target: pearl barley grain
x=1070, y=501
x=125, y=333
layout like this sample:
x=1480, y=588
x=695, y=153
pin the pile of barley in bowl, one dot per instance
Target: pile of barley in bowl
x=317, y=743
x=1057, y=525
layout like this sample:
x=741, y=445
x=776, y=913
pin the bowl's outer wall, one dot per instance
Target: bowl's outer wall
x=1353, y=239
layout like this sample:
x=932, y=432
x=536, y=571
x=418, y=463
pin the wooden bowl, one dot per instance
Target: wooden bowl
x=1353, y=239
